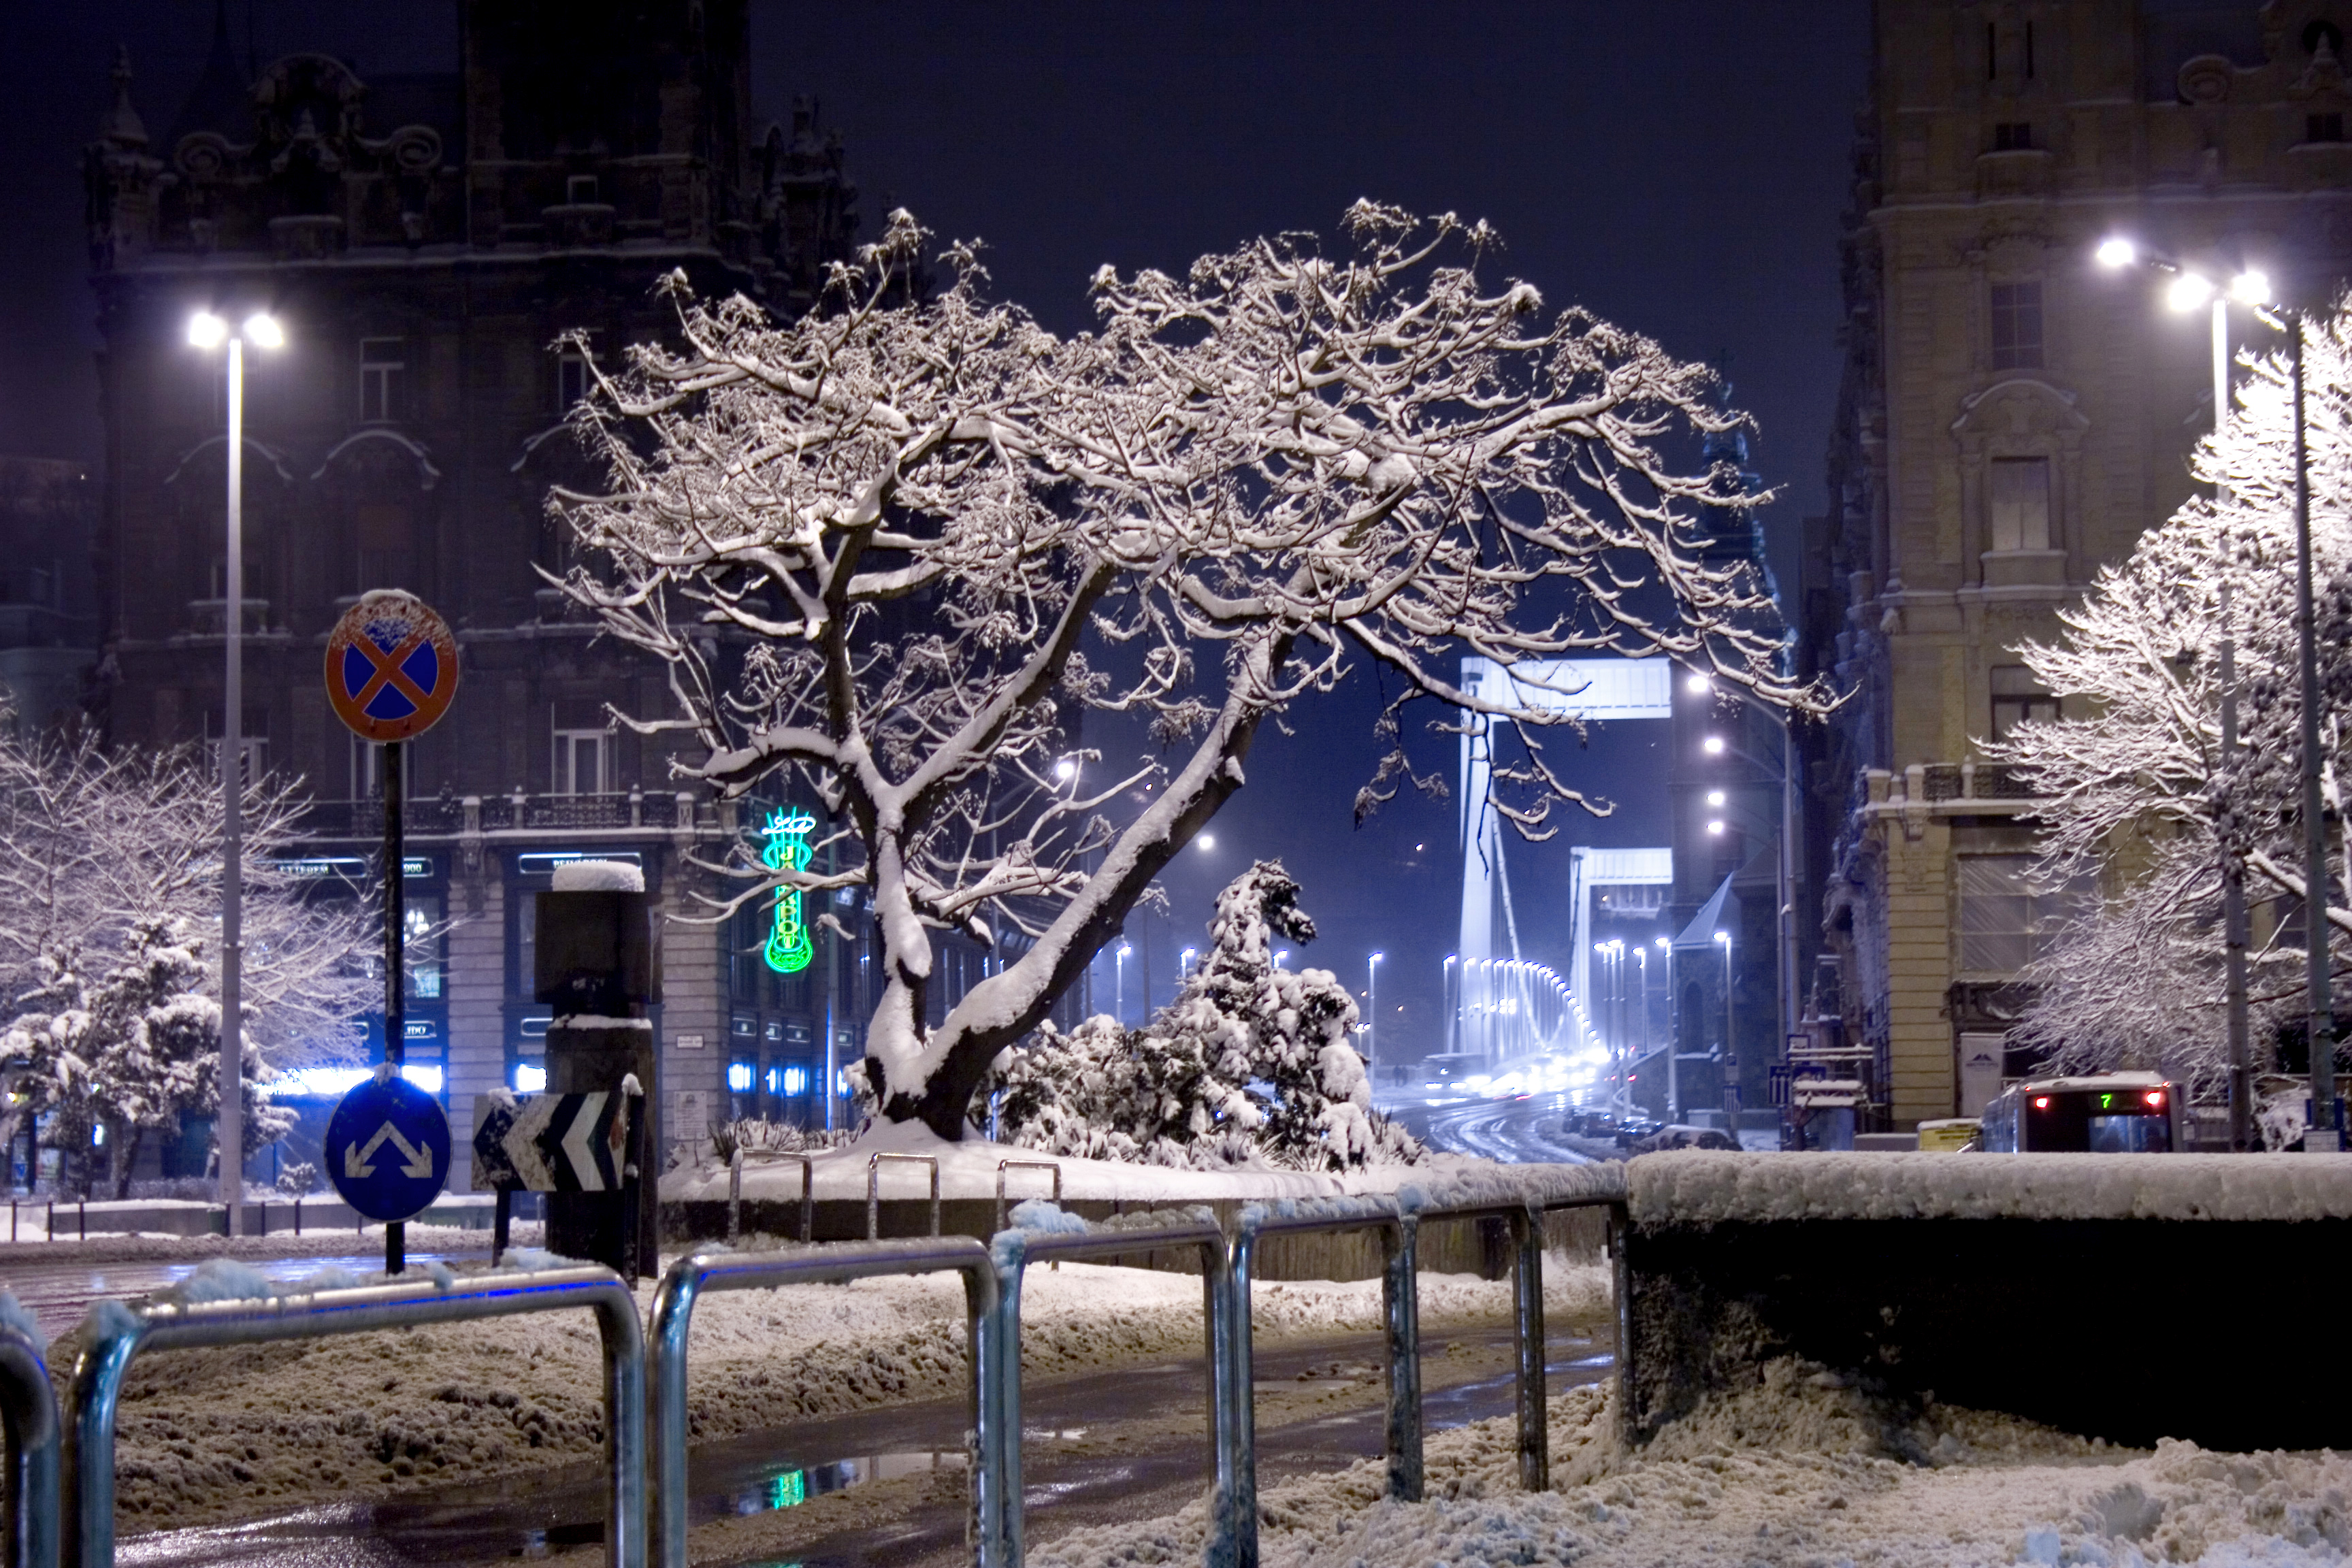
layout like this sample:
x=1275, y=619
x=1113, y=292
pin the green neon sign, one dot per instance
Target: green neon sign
x=789, y=951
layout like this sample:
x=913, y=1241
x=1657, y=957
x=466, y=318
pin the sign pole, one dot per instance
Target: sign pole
x=395, y=914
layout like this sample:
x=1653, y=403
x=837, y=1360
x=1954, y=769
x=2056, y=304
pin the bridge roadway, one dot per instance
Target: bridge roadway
x=1528, y=1129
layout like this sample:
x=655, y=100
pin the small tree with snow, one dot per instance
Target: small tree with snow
x=892, y=552
x=110, y=898
x=1247, y=1058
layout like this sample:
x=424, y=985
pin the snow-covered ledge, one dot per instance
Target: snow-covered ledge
x=1693, y=1188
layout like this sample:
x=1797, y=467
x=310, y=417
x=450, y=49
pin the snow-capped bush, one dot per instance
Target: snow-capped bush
x=1249, y=1064
x=754, y=1134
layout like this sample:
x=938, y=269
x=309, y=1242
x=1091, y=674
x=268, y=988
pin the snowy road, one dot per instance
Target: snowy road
x=1522, y=1131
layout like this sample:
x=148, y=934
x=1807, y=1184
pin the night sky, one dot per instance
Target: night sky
x=1678, y=166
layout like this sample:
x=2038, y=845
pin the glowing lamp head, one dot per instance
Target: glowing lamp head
x=1724, y=937
x=1713, y=745
x=1715, y=797
x=1716, y=828
x=263, y=331
x=2116, y=252
x=1124, y=950
x=1066, y=770
x=1208, y=841
x=2250, y=288
x=2189, y=292
x=1697, y=685
x=1661, y=944
x=207, y=331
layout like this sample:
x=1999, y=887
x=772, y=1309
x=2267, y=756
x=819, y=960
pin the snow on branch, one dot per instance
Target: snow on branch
x=894, y=551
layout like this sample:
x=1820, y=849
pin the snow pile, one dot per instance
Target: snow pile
x=599, y=877
x=232, y=1431
x=1805, y=1468
x=1695, y=1187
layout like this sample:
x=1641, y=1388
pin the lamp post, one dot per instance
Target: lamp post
x=1372, y=1014
x=208, y=331
x=1118, y=984
x=1642, y=971
x=1730, y=1051
x=1184, y=962
x=1453, y=1005
x=2188, y=290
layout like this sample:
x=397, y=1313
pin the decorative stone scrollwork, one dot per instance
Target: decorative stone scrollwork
x=2206, y=79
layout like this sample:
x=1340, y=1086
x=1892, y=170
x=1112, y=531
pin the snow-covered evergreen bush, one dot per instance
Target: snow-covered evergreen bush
x=1250, y=1064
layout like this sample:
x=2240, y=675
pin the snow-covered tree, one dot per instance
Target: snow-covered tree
x=109, y=899
x=2136, y=798
x=1249, y=1060
x=892, y=552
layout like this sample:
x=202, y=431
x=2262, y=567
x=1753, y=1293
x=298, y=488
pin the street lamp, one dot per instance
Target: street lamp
x=1372, y=1011
x=1280, y=954
x=2187, y=292
x=1184, y=961
x=208, y=331
x=1119, y=983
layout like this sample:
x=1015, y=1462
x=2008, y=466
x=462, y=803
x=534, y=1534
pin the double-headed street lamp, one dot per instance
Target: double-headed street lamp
x=208, y=331
x=2189, y=291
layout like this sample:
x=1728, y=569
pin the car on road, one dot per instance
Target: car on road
x=1682, y=1137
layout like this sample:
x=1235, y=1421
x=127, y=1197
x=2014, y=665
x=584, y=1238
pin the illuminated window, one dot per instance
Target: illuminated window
x=530, y=1077
x=796, y=1081
x=739, y=1077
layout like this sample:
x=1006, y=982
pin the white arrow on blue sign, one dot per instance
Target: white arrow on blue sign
x=387, y=1148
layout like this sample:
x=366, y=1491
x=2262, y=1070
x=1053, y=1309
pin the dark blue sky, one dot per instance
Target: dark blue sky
x=1678, y=166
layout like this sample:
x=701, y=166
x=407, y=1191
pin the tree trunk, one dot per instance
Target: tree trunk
x=126, y=1159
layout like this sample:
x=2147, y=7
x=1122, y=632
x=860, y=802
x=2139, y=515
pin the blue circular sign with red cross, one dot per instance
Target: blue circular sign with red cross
x=391, y=666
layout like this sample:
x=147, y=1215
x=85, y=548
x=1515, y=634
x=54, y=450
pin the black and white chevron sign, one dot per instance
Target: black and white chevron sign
x=554, y=1143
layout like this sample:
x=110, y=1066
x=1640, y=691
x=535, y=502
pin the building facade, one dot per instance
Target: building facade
x=425, y=240
x=2013, y=416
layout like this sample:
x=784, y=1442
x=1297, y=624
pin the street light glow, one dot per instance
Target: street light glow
x=1207, y=841
x=262, y=331
x=1698, y=684
x=1662, y=942
x=1715, y=827
x=1066, y=769
x=2117, y=251
x=1715, y=745
x=207, y=331
x=2189, y=292
x=1715, y=797
x=2250, y=288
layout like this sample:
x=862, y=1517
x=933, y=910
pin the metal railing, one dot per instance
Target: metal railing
x=1004, y=1165
x=1014, y=1250
x=808, y=1193
x=874, y=1190
x=114, y=1334
x=30, y=1405
x=673, y=1316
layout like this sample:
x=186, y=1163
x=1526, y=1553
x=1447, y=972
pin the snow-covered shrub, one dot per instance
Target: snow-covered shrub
x=753, y=1134
x=1250, y=1064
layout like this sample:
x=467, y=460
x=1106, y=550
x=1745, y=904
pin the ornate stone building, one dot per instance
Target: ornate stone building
x=2013, y=416
x=424, y=239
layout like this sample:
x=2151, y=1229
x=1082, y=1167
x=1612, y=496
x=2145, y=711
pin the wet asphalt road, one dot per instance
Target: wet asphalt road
x=1524, y=1129
x=491, y=1521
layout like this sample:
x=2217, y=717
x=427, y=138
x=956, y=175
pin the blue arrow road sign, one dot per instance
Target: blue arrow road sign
x=387, y=1148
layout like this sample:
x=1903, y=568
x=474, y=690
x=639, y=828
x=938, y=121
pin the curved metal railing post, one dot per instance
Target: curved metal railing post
x=874, y=1190
x=673, y=1317
x=1526, y=1302
x=29, y=1405
x=1004, y=1165
x=115, y=1334
x=1401, y=1319
x=1012, y=1251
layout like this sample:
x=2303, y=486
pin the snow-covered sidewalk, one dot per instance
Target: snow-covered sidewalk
x=1804, y=1470
x=228, y=1433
